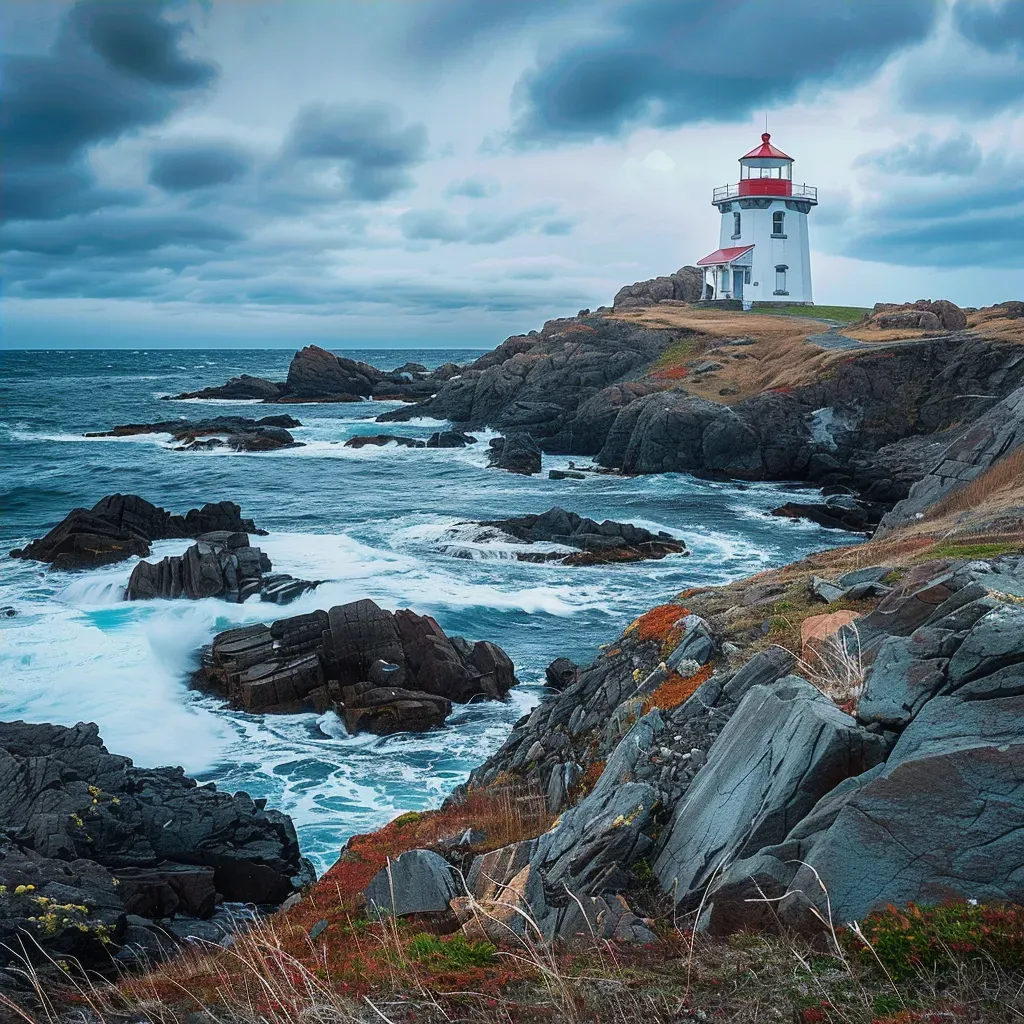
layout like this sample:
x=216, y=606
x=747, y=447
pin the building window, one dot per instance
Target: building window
x=780, y=280
x=778, y=224
x=746, y=276
x=735, y=225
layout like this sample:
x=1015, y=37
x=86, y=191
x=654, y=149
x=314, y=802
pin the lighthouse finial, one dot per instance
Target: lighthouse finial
x=765, y=137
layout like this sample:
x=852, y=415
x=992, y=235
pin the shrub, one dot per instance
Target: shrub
x=676, y=689
x=937, y=937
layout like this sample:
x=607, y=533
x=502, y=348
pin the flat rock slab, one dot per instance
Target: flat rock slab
x=784, y=748
x=418, y=882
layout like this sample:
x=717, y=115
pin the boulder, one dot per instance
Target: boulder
x=560, y=673
x=924, y=314
x=685, y=285
x=243, y=387
x=381, y=671
x=315, y=373
x=416, y=882
x=120, y=526
x=242, y=433
x=516, y=453
x=450, y=439
x=220, y=565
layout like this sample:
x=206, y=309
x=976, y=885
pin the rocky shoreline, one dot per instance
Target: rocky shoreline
x=104, y=860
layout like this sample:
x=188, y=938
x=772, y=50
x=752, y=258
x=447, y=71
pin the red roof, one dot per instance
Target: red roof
x=766, y=149
x=724, y=256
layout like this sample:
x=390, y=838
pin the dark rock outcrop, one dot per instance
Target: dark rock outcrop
x=379, y=440
x=241, y=388
x=598, y=543
x=97, y=850
x=516, y=453
x=450, y=439
x=992, y=436
x=122, y=525
x=220, y=565
x=316, y=375
x=242, y=433
x=417, y=882
x=379, y=670
x=685, y=285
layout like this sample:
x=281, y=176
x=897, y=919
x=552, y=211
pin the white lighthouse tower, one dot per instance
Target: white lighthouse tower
x=763, y=255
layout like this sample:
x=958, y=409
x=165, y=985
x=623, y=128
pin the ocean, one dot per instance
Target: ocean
x=380, y=523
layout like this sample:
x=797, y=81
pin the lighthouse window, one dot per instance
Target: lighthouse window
x=780, y=280
x=778, y=224
x=735, y=225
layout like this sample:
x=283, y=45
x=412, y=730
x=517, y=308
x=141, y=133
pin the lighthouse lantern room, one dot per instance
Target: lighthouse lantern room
x=763, y=254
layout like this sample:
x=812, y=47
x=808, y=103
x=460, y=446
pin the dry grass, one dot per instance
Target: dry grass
x=1000, y=486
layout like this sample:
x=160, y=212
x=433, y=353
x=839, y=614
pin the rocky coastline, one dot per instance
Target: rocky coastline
x=817, y=745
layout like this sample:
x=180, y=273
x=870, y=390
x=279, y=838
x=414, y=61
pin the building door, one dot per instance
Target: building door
x=737, y=284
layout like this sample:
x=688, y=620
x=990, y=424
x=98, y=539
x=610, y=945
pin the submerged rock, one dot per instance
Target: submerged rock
x=381, y=671
x=120, y=526
x=379, y=440
x=242, y=433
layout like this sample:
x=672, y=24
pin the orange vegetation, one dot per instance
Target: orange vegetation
x=671, y=373
x=658, y=623
x=676, y=689
x=588, y=780
x=349, y=954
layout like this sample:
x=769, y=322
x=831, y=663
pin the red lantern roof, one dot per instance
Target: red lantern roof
x=766, y=149
x=720, y=256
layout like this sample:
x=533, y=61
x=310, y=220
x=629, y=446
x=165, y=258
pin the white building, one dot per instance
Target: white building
x=763, y=254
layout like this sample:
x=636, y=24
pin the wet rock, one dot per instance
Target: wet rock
x=120, y=526
x=379, y=440
x=565, y=474
x=243, y=387
x=450, y=439
x=101, y=846
x=417, y=882
x=598, y=542
x=560, y=673
x=220, y=565
x=381, y=671
x=242, y=433
x=516, y=453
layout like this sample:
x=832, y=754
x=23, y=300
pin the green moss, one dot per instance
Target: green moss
x=408, y=818
x=677, y=352
x=951, y=549
x=456, y=953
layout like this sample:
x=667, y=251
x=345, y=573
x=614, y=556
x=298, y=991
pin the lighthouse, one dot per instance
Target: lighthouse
x=763, y=254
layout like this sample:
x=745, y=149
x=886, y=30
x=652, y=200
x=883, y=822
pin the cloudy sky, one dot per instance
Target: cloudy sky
x=435, y=173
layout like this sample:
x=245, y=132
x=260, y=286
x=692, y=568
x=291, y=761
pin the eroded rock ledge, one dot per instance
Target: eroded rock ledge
x=122, y=525
x=597, y=543
x=240, y=433
x=102, y=858
x=381, y=671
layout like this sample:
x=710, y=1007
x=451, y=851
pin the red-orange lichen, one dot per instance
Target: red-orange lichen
x=657, y=624
x=671, y=373
x=587, y=781
x=676, y=689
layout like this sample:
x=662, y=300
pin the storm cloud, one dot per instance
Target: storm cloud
x=453, y=162
x=674, y=62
